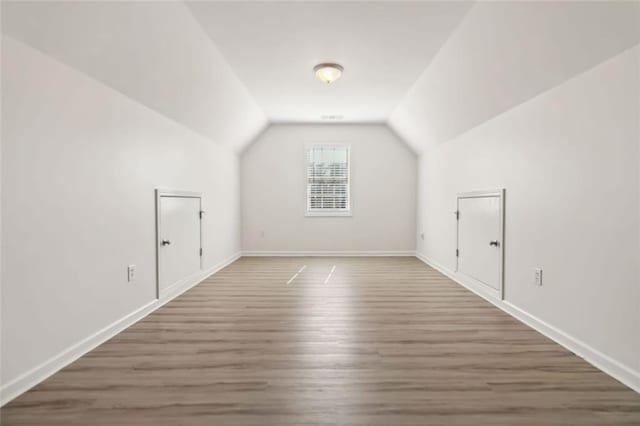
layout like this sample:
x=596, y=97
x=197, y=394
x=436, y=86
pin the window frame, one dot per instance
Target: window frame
x=326, y=212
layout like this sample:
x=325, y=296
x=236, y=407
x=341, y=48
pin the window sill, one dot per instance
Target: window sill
x=328, y=214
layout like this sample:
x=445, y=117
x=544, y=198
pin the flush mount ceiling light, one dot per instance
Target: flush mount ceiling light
x=328, y=72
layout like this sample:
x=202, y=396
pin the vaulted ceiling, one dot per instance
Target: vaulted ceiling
x=153, y=52
x=384, y=47
x=505, y=53
x=431, y=70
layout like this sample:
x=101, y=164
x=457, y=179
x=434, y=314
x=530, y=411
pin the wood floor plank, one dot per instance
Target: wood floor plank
x=382, y=341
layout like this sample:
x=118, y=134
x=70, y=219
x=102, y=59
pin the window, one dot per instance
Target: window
x=328, y=180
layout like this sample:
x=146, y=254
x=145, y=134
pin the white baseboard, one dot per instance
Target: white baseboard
x=36, y=375
x=623, y=373
x=344, y=253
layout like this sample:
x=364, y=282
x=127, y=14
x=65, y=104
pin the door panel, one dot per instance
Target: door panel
x=479, y=224
x=179, y=255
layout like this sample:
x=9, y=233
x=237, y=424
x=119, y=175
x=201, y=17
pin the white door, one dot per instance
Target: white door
x=178, y=239
x=480, y=239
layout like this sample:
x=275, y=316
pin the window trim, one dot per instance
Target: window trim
x=348, y=212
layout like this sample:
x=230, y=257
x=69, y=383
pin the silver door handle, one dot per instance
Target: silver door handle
x=494, y=243
x=166, y=242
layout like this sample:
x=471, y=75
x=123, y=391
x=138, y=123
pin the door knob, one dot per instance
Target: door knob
x=494, y=243
x=166, y=242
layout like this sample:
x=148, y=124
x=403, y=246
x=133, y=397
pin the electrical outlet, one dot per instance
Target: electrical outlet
x=537, y=276
x=131, y=273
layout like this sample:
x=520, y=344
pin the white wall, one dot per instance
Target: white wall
x=80, y=162
x=383, y=179
x=569, y=162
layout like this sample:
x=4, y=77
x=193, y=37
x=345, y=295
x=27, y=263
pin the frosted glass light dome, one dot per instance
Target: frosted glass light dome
x=328, y=73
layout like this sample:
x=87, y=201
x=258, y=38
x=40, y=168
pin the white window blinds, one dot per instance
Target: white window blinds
x=328, y=179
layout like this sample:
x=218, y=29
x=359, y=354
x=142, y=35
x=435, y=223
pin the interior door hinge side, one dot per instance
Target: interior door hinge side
x=457, y=213
x=201, y=252
x=200, y=214
x=457, y=253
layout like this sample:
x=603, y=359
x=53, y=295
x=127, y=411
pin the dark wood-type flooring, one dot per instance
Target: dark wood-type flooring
x=385, y=341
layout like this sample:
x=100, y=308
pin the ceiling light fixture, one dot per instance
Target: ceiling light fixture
x=328, y=72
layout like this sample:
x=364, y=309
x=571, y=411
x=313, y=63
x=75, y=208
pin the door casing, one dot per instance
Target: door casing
x=178, y=194
x=500, y=194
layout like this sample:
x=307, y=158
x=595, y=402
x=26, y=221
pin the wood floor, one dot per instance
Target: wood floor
x=385, y=341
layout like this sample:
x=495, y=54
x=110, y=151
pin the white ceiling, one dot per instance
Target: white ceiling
x=152, y=52
x=273, y=46
x=432, y=70
x=505, y=53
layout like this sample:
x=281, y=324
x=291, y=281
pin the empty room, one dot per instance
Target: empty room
x=275, y=213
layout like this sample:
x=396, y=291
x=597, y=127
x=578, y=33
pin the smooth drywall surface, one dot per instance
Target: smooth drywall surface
x=80, y=163
x=274, y=45
x=569, y=162
x=504, y=53
x=154, y=52
x=383, y=188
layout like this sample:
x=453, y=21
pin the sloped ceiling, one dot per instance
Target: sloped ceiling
x=384, y=47
x=433, y=70
x=153, y=52
x=505, y=53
